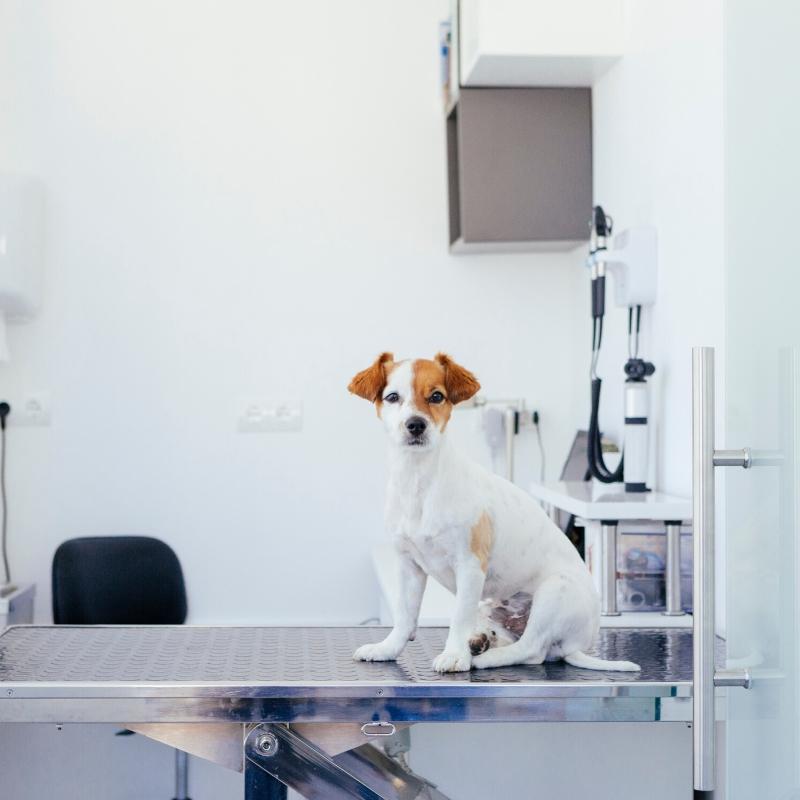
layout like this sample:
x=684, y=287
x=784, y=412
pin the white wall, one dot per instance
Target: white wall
x=658, y=160
x=245, y=199
x=88, y=762
x=612, y=761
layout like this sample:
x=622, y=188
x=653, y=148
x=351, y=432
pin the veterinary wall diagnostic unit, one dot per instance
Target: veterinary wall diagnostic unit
x=632, y=259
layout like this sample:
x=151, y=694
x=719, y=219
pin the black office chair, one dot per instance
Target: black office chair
x=121, y=580
x=117, y=580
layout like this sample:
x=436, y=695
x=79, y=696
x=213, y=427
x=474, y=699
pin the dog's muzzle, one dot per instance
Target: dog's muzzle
x=416, y=427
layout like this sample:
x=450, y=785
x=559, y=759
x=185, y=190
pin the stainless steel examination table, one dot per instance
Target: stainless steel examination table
x=290, y=707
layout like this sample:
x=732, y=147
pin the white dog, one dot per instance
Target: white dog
x=479, y=535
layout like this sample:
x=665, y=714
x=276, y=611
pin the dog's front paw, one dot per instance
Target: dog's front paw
x=375, y=652
x=453, y=661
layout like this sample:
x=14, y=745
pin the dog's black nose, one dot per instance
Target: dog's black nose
x=416, y=426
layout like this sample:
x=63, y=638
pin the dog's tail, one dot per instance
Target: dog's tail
x=579, y=659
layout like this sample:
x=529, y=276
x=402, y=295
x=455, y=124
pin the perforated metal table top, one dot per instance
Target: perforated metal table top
x=248, y=673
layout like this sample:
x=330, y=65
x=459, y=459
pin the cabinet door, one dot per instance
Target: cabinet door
x=524, y=166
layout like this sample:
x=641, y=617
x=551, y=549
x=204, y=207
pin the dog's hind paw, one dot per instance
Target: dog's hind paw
x=453, y=661
x=479, y=643
x=375, y=652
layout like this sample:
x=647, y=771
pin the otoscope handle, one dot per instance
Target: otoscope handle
x=599, y=296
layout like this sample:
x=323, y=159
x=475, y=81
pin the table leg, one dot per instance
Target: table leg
x=260, y=785
x=672, y=575
x=608, y=536
x=181, y=775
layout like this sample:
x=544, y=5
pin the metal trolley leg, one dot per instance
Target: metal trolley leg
x=608, y=596
x=674, y=607
x=260, y=785
x=181, y=775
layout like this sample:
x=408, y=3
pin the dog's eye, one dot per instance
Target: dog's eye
x=436, y=397
x=392, y=397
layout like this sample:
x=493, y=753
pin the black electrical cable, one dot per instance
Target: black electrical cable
x=597, y=465
x=630, y=328
x=633, y=333
x=5, y=408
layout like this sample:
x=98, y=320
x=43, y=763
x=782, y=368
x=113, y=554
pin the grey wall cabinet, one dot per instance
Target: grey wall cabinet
x=519, y=169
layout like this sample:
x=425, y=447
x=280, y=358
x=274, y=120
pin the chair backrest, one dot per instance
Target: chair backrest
x=117, y=580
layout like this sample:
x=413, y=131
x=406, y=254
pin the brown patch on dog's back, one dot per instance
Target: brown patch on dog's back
x=481, y=539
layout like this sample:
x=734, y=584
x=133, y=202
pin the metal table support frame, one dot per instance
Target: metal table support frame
x=288, y=759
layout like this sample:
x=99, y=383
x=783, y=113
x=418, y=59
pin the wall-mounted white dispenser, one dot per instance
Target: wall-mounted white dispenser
x=21, y=250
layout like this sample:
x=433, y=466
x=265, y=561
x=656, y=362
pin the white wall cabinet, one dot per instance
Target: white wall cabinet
x=537, y=42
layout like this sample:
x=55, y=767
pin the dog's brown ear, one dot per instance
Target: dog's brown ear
x=370, y=382
x=459, y=383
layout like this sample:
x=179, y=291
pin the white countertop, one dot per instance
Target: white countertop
x=596, y=501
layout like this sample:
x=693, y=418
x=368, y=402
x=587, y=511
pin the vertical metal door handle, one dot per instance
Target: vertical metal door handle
x=704, y=459
x=703, y=579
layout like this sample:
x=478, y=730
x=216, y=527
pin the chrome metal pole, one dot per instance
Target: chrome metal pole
x=181, y=775
x=608, y=597
x=673, y=570
x=703, y=579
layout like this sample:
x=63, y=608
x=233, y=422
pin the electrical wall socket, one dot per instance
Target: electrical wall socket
x=34, y=410
x=257, y=415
